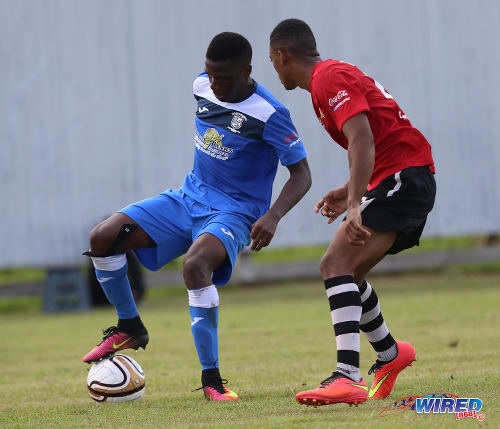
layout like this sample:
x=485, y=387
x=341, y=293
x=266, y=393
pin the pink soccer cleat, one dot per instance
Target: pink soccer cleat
x=115, y=340
x=220, y=393
x=213, y=386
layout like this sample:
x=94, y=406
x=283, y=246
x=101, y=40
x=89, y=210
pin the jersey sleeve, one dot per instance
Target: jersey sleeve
x=342, y=99
x=280, y=133
x=196, y=83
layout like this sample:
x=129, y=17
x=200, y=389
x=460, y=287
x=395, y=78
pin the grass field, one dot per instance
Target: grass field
x=273, y=255
x=275, y=340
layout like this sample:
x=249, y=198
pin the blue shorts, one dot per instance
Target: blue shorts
x=174, y=221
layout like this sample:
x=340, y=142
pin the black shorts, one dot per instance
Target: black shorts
x=401, y=202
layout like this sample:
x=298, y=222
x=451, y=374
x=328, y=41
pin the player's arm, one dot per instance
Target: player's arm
x=294, y=189
x=361, y=154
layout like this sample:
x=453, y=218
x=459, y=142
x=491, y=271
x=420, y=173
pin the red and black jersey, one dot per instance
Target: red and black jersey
x=340, y=91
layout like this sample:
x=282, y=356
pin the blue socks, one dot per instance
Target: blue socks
x=111, y=272
x=204, y=311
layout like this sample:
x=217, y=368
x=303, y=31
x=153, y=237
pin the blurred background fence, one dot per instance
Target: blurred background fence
x=96, y=109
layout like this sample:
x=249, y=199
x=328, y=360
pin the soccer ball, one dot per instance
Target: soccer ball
x=117, y=378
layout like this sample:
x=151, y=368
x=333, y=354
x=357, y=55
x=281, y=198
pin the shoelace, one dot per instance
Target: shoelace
x=216, y=383
x=330, y=379
x=112, y=330
x=376, y=366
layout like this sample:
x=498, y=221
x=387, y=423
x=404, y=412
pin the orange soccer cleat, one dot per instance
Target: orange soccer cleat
x=387, y=372
x=335, y=389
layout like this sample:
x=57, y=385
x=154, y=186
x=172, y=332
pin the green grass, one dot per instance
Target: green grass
x=21, y=274
x=315, y=252
x=271, y=255
x=275, y=341
x=21, y=304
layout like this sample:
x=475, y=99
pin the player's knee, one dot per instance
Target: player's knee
x=332, y=265
x=325, y=265
x=195, y=272
x=99, y=240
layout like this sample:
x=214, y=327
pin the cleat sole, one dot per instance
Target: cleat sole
x=308, y=402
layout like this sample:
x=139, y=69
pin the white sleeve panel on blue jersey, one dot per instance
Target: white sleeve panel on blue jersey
x=281, y=134
x=255, y=105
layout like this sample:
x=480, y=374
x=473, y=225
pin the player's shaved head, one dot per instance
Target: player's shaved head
x=229, y=46
x=294, y=36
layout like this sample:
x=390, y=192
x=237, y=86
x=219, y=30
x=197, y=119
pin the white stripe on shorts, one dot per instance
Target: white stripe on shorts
x=397, y=177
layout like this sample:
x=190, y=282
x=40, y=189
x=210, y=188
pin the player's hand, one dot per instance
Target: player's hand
x=263, y=231
x=356, y=233
x=333, y=204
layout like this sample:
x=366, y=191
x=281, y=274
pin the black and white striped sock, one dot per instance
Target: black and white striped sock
x=373, y=326
x=345, y=305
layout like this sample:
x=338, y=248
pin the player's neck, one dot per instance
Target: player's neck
x=305, y=70
x=247, y=92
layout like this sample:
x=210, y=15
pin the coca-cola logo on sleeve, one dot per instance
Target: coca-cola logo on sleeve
x=341, y=94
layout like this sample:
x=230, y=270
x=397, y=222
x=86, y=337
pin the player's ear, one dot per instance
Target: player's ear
x=283, y=56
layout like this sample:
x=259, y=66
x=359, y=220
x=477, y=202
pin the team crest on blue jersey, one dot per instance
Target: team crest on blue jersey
x=237, y=121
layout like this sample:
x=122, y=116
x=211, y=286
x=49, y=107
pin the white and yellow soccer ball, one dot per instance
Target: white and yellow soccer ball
x=117, y=378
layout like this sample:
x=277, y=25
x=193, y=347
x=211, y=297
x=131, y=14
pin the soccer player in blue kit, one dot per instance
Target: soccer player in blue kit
x=242, y=132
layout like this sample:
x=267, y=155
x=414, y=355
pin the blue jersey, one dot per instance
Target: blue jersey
x=237, y=149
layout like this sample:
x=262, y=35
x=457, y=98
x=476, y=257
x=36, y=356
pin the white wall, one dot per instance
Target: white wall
x=96, y=108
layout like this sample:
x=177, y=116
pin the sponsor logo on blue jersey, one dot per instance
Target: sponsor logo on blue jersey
x=211, y=144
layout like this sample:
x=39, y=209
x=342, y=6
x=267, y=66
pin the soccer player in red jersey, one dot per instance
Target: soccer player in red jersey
x=387, y=197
